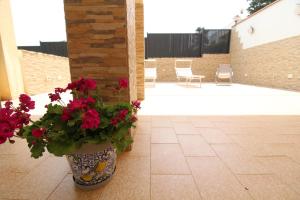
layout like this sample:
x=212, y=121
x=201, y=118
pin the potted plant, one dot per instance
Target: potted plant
x=85, y=130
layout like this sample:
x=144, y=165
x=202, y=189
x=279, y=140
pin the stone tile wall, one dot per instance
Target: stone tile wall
x=275, y=64
x=99, y=43
x=42, y=73
x=205, y=65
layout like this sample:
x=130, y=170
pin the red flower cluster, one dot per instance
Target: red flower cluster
x=120, y=117
x=136, y=104
x=25, y=103
x=123, y=83
x=14, y=118
x=90, y=119
x=38, y=133
x=76, y=105
x=83, y=85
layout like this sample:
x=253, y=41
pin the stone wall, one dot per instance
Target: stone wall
x=99, y=45
x=140, y=47
x=275, y=64
x=42, y=73
x=205, y=65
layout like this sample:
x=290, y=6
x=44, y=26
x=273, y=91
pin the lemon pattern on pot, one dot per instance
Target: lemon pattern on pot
x=94, y=168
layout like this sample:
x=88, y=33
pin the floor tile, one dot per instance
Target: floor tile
x=173, y=187
x=156, y=123
x=215, y=137
x=194, y=145
x=203, y=124
x=41, y=181
x=143, y=128
x=131, y=180
x=68, y=191
x=168, y=159
x=185, y=128
x=263, y=187
x=285, y=168
x=141, y=146
x=163, y=135
x=214, y=180
x=238, y=160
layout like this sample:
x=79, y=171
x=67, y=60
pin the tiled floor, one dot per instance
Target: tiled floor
x=242, y=157
x=195, y=154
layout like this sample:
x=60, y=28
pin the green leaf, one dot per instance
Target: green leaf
x=55, y=109
x=37, y=150
x=59, y=148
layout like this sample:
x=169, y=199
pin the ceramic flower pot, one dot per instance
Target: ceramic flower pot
x=93, y=165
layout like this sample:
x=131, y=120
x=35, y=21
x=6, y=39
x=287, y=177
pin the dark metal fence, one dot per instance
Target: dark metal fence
x=209, y=41
x=53, y=48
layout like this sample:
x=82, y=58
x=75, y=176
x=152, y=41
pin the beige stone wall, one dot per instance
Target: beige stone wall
x=140, y=47
x=131, y=48
x=11, y=83
x=205, y=65
x=267, y=65
x=42, y=73
x=99, y=46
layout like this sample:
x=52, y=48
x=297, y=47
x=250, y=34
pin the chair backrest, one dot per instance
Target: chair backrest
x=183, y=67
x=224, y=69
x=150, y=72
x=183, y=71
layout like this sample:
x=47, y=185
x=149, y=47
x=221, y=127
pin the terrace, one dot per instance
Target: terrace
x=221, y=142
x=239, y=141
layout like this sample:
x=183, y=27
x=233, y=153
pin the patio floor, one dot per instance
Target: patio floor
x=184, y=156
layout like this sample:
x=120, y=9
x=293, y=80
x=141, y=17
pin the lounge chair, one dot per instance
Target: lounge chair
x=150, y=70
x=183, y=69
x=224, y=71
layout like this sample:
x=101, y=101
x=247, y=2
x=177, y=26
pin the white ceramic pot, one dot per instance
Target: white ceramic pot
x=93, y=165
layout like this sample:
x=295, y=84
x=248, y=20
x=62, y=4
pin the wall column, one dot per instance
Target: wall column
x=140, y=48
x=101, y=44
x=11, y=79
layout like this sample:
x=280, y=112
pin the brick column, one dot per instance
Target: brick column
x=140, y=47
x=101, y=43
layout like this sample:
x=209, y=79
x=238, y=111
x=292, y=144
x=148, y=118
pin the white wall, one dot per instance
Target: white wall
x=277, y=22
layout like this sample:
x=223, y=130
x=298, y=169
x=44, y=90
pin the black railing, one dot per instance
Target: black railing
x=54, y=48
x=208, y=41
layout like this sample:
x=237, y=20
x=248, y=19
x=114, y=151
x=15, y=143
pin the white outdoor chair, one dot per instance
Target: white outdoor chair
x=224, y=71
x=185, y=71
x=150, y=70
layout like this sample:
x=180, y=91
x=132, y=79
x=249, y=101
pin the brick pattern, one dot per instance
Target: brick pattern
x=205, y=65
x=99, y=43
x=267, y=65
x=42, y=73
x=140, y=48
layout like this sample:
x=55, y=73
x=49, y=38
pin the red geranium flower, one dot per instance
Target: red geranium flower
x=136, y=104
x=25, y=103
x=114, y=121
x=66, y=115
x=60, y=90
x=122, y=114
x=6, y=131
x=83, y=85
x=38, y=132
x=54, y=97
x=90, y=119
x=123, y=83
x=76, y=104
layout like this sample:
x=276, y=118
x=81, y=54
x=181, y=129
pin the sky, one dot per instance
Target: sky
x=43, y=20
